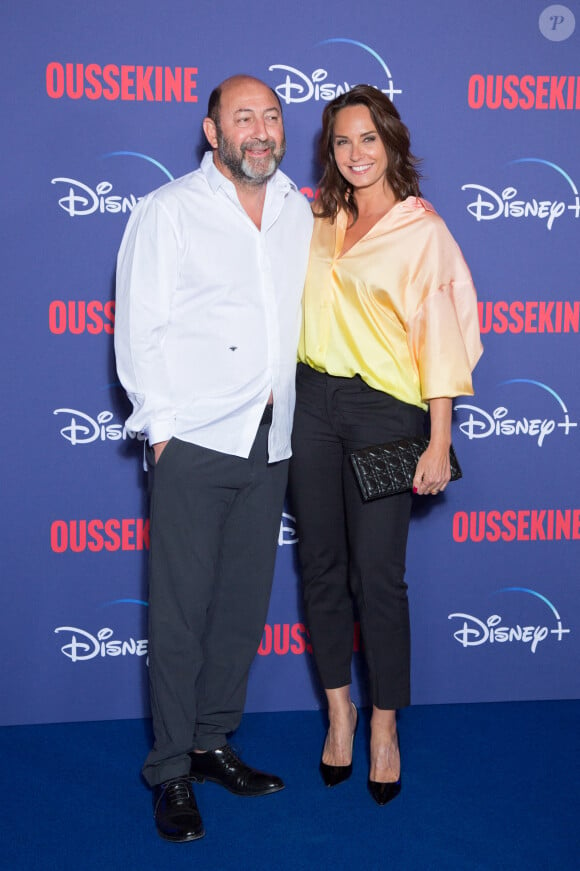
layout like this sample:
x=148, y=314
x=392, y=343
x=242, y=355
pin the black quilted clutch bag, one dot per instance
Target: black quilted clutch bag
x=384, y=470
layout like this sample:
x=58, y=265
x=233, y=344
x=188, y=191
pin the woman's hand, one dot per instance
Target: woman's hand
x=433, y=471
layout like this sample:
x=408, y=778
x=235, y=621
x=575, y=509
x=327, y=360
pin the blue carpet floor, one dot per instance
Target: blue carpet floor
x=487, y=786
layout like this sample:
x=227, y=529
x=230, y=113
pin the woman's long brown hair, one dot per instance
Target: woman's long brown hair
x=402, y=169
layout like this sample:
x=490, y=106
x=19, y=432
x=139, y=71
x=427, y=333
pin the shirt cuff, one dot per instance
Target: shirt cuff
x=161, y=431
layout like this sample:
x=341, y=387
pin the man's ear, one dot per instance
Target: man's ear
x=210, y=131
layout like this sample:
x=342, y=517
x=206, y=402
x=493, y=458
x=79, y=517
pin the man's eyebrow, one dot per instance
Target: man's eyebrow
x=270, y=109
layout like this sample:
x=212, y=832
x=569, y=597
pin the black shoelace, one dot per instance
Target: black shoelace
x=177, y=792
x=231, y=758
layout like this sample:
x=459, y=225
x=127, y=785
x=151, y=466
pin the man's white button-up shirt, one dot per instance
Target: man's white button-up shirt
x=208, y=311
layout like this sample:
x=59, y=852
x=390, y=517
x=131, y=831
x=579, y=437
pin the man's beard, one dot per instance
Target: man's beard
x=250, y=171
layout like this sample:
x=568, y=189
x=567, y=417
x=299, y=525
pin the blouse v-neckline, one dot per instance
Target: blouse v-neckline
x=341, y=226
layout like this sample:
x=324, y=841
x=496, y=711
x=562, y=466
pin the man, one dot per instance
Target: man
x=209, y=283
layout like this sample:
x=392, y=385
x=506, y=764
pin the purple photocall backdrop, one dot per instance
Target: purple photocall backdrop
x=105, y=103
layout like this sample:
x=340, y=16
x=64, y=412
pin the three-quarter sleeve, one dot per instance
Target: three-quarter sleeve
x=444, y=333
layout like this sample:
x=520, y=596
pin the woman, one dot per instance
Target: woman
x=390, y=331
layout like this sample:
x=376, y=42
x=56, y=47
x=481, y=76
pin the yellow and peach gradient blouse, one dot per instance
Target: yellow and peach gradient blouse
x=399, y=308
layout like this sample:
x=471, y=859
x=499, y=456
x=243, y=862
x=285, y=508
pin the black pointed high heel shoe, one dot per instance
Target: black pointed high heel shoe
x=332, y=775
x=384, y=792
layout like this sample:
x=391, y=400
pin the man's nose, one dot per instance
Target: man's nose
x=260, y=129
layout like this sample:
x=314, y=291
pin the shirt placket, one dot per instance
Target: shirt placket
x=331, y=288
x=270, y=308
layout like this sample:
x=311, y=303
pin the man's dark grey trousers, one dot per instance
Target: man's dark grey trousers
x=215, y=520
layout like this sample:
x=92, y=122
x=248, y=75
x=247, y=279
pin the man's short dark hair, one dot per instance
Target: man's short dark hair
x=213, y=104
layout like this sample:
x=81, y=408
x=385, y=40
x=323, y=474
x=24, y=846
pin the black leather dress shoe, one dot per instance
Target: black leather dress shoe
x=224, y=767
x=176, y=815
x=384, y=792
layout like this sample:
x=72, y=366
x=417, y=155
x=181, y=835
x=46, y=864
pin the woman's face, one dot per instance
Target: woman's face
x=358, y=149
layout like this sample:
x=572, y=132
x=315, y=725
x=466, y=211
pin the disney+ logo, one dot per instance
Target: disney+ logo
x=82, y=200
x=481, y=424
x=84, y=429
x=300, y=87
x=490, y=205
x=475, y=632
